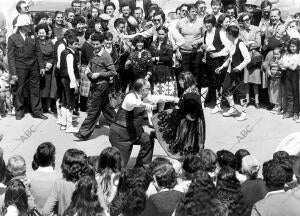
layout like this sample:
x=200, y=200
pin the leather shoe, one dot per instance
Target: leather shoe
x=40, y=116
x=19, y=116
x=79, y=136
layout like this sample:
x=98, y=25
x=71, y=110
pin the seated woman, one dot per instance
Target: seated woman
x=164, y=202
x=181, y=131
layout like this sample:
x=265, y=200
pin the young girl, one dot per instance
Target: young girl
x=290, y=63
x=274, y=74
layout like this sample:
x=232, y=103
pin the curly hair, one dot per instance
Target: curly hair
x=226, y=158
x=44, y=156
x=138, y=39
x=191, y=165
x=165, y=176
x=274, y=176
x=74, y=165
x=200, y=199
x=135, y=203
x=157, y=162
x=84, y=200
x=280, y=155
x=208, y=159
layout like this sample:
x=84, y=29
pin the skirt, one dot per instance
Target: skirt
x=252, y=75
x=177, y=135
x=275, y=91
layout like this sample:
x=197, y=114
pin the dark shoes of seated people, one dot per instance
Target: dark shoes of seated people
x=76, y=113
x=40, y=116
x=19, y=116
x=79, y=136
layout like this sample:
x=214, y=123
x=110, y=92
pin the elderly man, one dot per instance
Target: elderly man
x=24, y=59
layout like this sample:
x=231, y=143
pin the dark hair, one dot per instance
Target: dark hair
x=160, y=13
x=138, y=8
x=42, y=26
x=157, y=162
x=2, y=170
x=139, y=84
x=214, y=2
x=109, y=4
x=16, y=195
x=137, y=39
x=233, y=31
x=184, y=5
x=79, y=19
x=280, y=155
x=74, y=165
x=84, y=199
x=133, y=178
x=275, y=176
x=239, y=155
x=39, y=16
x=209, y=18
x=165, y=176
x=297, y=15
x=265, y=4
x=208, y=159
x=107, y=35
x=226, y=158
x=58, y=12
x=191, y=165
x=188, y=78
x=230, y=7
x=192, y=6
x=287, y=165
x=296, y=42
x=72, y=39
x=75, y=2
x=165, y=29
x=221, y=19
x=118, y=22
x=124, y=5
x=200, y=199
x=135, y=203
x=69, y=10
x=44, y=156
x=97, y=37
x=18, y=6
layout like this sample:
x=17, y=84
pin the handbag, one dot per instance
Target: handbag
x=256, y=59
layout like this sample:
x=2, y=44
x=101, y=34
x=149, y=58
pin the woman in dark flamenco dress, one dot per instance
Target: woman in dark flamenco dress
x=181, y=131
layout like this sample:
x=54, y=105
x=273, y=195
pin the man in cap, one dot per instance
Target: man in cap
x=24, y=60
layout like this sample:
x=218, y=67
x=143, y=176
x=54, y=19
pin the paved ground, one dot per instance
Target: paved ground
x=267, y=130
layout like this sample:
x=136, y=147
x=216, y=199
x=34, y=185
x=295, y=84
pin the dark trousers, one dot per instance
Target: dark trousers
x=292, y=88
x=233, y=84
x=98, y=102
x=30, y=77
x=283, y=84
x=121, y=139
x=191, y=62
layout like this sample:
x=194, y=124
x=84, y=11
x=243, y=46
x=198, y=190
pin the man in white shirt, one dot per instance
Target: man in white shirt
x=127, y=129
x=239, y=58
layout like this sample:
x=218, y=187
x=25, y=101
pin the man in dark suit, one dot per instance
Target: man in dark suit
x=24, y=59
x=144, y=4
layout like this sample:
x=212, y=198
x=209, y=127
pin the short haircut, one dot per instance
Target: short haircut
x=208, y=159
x=184, y=5
x=118, y=22
x=58, y=12
x=287, y=165
x=226, y=158
x=265, y=4
x=157, y=162
x=191, y=165
x=44, y=156
x=75, y=2
x=199, y=2
x=160, y=13
x=192, y=6
x=275, y=176
x=276, y=9
x=97, y=37
x=69, y=10
x=216, y=2
x=209, y=18
x=124, y=5
x=233, y=31
x=42, y=26
x=72, y=39
x=109, y=4
x=108, y=35
x=135, y=202
x=139, y=8
x=165, y=176
x=137, y=39
x=79, y=19
x=231, y=7
x=280, y=155
x=139, y=84
x=18, y=6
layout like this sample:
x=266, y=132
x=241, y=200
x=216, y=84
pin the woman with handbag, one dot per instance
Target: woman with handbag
x=251, y=36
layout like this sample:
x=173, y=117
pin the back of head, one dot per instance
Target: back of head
x=208, y=159
x=138, y=84
x=16, y=165
x=157, y=162
x=274, y=176
x=44, y=156
x=239, y=155
x=110, y=158
x=280, y=155
x=227, y=181
x=226, y=158
x=133, y=178
x=165, y=176
x=233, y=31
x=191, y=165
x=250, y=166
x=16, y=195
x=135, y=203
x=74, y=165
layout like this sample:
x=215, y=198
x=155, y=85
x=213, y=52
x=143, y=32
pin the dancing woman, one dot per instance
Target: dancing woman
x=181, y=131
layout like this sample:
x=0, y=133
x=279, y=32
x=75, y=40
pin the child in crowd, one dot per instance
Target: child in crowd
x=290, y=63
x=16, y=169
x=274, y=74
